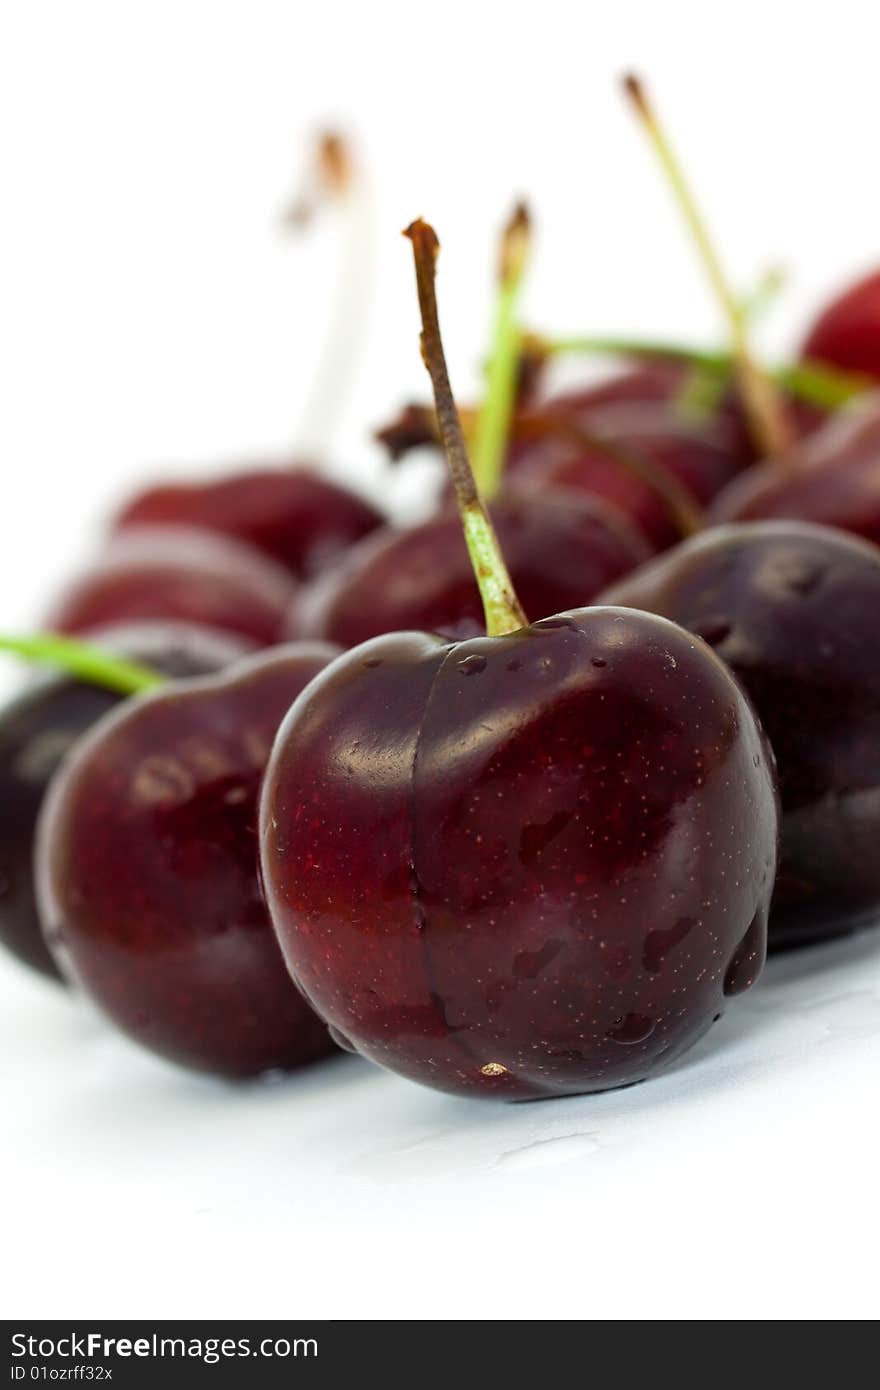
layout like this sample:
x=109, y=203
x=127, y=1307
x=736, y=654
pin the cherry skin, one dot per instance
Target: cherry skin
x=791, y=609
x=294, y=516
x=177, y=574
x=525, y=865
x=694, y=458
x=561, y=550
x=847, y=332
x=147, y=871
x=40, y=725
x=648, y=383
x=834, y=480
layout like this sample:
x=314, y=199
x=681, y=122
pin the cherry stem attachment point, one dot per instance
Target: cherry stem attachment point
x=502, y=371
x=502, y=607
x=764, y=407
x=86, y=662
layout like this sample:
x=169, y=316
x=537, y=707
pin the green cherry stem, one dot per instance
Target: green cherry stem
x=502, y=370
x=809, y=381
x=84, y=661
x=502, y=607
x=764, y=407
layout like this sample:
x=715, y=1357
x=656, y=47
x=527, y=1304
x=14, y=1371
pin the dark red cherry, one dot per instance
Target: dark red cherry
x=561, y=549
x=526, y=865
x=148, y=877
x=792, y=610
x=847, y=332
x=834, y=479
x=647, y=383
x=40, y=726
x=295, y=516
x=693, y=460
x=178, y=574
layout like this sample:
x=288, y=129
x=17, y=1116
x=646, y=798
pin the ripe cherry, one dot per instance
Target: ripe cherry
x=527, y=864
x=148, y=878
x=791, y=609
x=834, y=480
x=40, y=726
x=847, y=332
x=293, y=516
x=561, y=550
x=175, y=574
x=654, y=468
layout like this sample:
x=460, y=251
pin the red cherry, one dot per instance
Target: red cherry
x=847, y=332
x=834, y=480
x=527, y=864
x=792, y=611
x=653, y=467
x=41, y=725
x=147, y=871
x=297, y=518
x=175, y=573
x=561, y=550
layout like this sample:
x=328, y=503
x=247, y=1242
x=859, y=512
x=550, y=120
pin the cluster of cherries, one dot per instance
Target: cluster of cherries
x=310, y=779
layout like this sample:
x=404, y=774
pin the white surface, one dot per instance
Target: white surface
x=741, y=1185
x=153, y=314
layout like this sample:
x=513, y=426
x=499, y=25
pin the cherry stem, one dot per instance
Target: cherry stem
x=763, y=404
x=502, y=607
x=84, y=661
x=502, y=370
x=809, y=381
x=335, y=179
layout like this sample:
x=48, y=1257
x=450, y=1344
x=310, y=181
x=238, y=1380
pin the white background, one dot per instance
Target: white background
x=153, y=314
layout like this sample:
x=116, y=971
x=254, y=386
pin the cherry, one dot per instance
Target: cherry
x=293, y=515
x=172, y=573
x=655, y=469
x=147, y=871
x=847, y=332
x=40, y=725
x=835, y=480
x=791, y=609
x=526, y=864
x=561, y=548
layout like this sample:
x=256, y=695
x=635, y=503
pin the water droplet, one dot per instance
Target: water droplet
x=372, y=662
x=631, y=1029
x=557, y=622
x=598, y=662
x=472, y=665
x=527, y=965
x=340, y=1039
x=800, y=576
x=747, y=961
x=536, y=838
